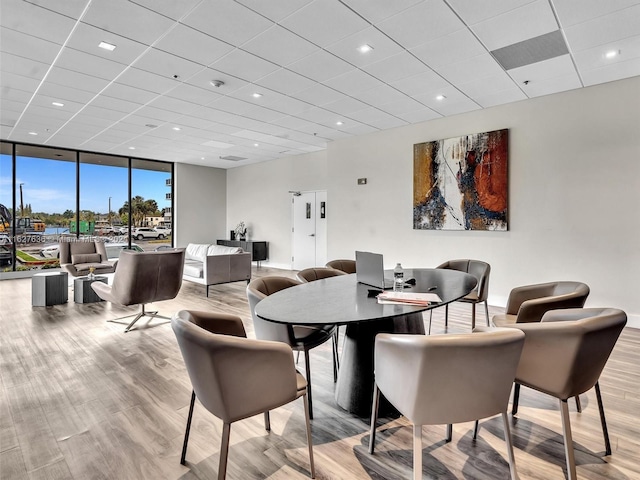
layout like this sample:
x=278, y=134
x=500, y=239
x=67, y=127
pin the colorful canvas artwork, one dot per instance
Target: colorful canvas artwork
x=461, y=183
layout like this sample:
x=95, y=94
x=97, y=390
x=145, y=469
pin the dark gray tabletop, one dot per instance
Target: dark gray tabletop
x=341, y=300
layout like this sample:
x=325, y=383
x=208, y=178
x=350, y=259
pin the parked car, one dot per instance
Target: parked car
x=6, y=251
x=142, y=233
x=123, y=230
x=164, y=230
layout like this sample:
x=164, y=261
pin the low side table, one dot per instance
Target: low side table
x=49, y=288
x=82, y=291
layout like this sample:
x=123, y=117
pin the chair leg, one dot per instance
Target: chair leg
x=486, y=312
x=578, y=404
x=186, y=433
x=336, y=361
x=374, y=417
x=476, y=427
x=509, y=442
x=449, y=436
x=417, y=452
x=224, y=451
x=473, y=316
x=307, y=368
x=267, y=421
x=312, y=468
x=568, y=441
x=430, y=318
x=446, y=315
x=605, y=430
x=516, y=398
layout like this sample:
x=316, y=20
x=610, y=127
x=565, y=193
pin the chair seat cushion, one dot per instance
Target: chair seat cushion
x=193, y=268
x=504, y=320
x=99, y=267
x=80, y=258
x=223, y=250
x=196, y=251
x=472, y=297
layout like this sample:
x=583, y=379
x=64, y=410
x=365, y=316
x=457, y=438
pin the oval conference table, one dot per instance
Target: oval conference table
x=342, y=301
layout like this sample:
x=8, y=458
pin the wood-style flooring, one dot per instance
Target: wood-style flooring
x=80, y=399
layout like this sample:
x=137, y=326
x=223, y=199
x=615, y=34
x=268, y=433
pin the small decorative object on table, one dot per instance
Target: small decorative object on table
x=241, y=231
x=91, y=275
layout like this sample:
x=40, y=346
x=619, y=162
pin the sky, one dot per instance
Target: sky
x=49, y=185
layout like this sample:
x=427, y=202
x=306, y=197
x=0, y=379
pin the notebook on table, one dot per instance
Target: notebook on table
x=370, y=270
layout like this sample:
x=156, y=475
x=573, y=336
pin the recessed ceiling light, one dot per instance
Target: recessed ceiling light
x=256, y=145
x=365, y=48
x=256, y=95
x=177, y=129
x=339, y=123
x=440, y=97
x=201, y=158
x=132, y=148
x=57, y=104
x=612, y=53
x=33, y=133
x=107, y=46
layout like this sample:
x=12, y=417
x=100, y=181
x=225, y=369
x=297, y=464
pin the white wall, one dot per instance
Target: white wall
x=259, y=195
x=201, y=204
x=574, y=173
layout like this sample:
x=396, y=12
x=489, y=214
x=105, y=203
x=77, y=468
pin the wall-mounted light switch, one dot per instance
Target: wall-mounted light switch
x=362, y=181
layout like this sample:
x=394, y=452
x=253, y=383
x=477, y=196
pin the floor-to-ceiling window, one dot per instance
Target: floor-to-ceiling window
x=48, y=193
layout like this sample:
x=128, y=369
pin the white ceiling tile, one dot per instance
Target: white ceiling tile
x=167, y=65
x=347, y=48
x=169, y=8
x=263, y=114
x=380, y=95
x=228, y=21
x=82, y=62
x=47, y=101
x=320, y=66
x=130, y=94
x=202, y=80
x=421, y=115
x=612, y=72
x=391, y=122
x=396, y=67
x=354, y=82
x=454, y=47
x=360, y=129
x=426, y=81
x=22, y=66
x=81, y=81
x=481, y=66
x=421, y=23
x=462, y=106
x=320, y=116
x=156, y=114
x=319, y=94
x=345, y=106
x=15, y=95
x=192, y=94
x=137, y=78
x=124, y=106
x=86, y=38
x=65, y=93
x=128, y=20
x=285, y=81
x=529, y=21
x=403, y=106
x=609, y=28
x=595, y=57
x=103, y=113
x=231, y=105
x=275, y=11
x=173, y=105
x=552, y=85
x=534, y=73
x=34, y=20
x=180, y=41
x=376, y=10
x=324, y=23
x=500, y=98
x=572, y=12
x=475, y=11
x=27, y=46
x=487, y=85
x=280, y=46
x=284, y=104
x=452, y=96
x=244, y=65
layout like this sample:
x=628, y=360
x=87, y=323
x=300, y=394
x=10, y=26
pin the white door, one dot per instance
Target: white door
x=309, y=241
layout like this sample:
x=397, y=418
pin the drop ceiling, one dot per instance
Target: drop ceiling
x=153, y=97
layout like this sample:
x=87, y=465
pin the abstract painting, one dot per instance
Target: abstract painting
x=461, y=183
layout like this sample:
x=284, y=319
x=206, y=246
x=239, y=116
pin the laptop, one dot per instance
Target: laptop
x=370, y=270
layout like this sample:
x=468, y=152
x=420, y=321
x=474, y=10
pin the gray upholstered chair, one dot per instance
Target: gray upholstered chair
x=77, y=257
x=564, y=355
x=346, y=266
x=429, y=380
x=299, y=337
x=530, y=302
x=143, y=277
x=479, y=269
x=235, y=377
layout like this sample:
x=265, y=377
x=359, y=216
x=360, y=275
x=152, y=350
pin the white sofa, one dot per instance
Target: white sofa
x=209, y=264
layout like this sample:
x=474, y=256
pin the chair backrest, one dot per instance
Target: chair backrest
x=444, y=379
x=565, y=353
x=479, y=269
x=145, y=277
x=82, y=252
x=317, y=273
x=228, y=372
x=346, y=266
x=261, y=288
x=531, y=302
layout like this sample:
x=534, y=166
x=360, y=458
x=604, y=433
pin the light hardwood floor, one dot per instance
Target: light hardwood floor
x=80, y=399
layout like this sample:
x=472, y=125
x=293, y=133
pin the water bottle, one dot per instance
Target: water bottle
x=398, y=278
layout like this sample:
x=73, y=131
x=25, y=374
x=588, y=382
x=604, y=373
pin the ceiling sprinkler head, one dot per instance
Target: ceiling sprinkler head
x=217, y=83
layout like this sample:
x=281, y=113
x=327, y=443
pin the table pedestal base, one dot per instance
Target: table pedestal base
x=354, y=391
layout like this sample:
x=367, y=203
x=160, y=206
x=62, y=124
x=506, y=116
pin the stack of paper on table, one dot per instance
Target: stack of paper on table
x=410, y=298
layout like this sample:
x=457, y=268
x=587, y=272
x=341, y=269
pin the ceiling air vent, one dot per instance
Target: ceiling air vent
x=533, y=50
x=232, y=158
